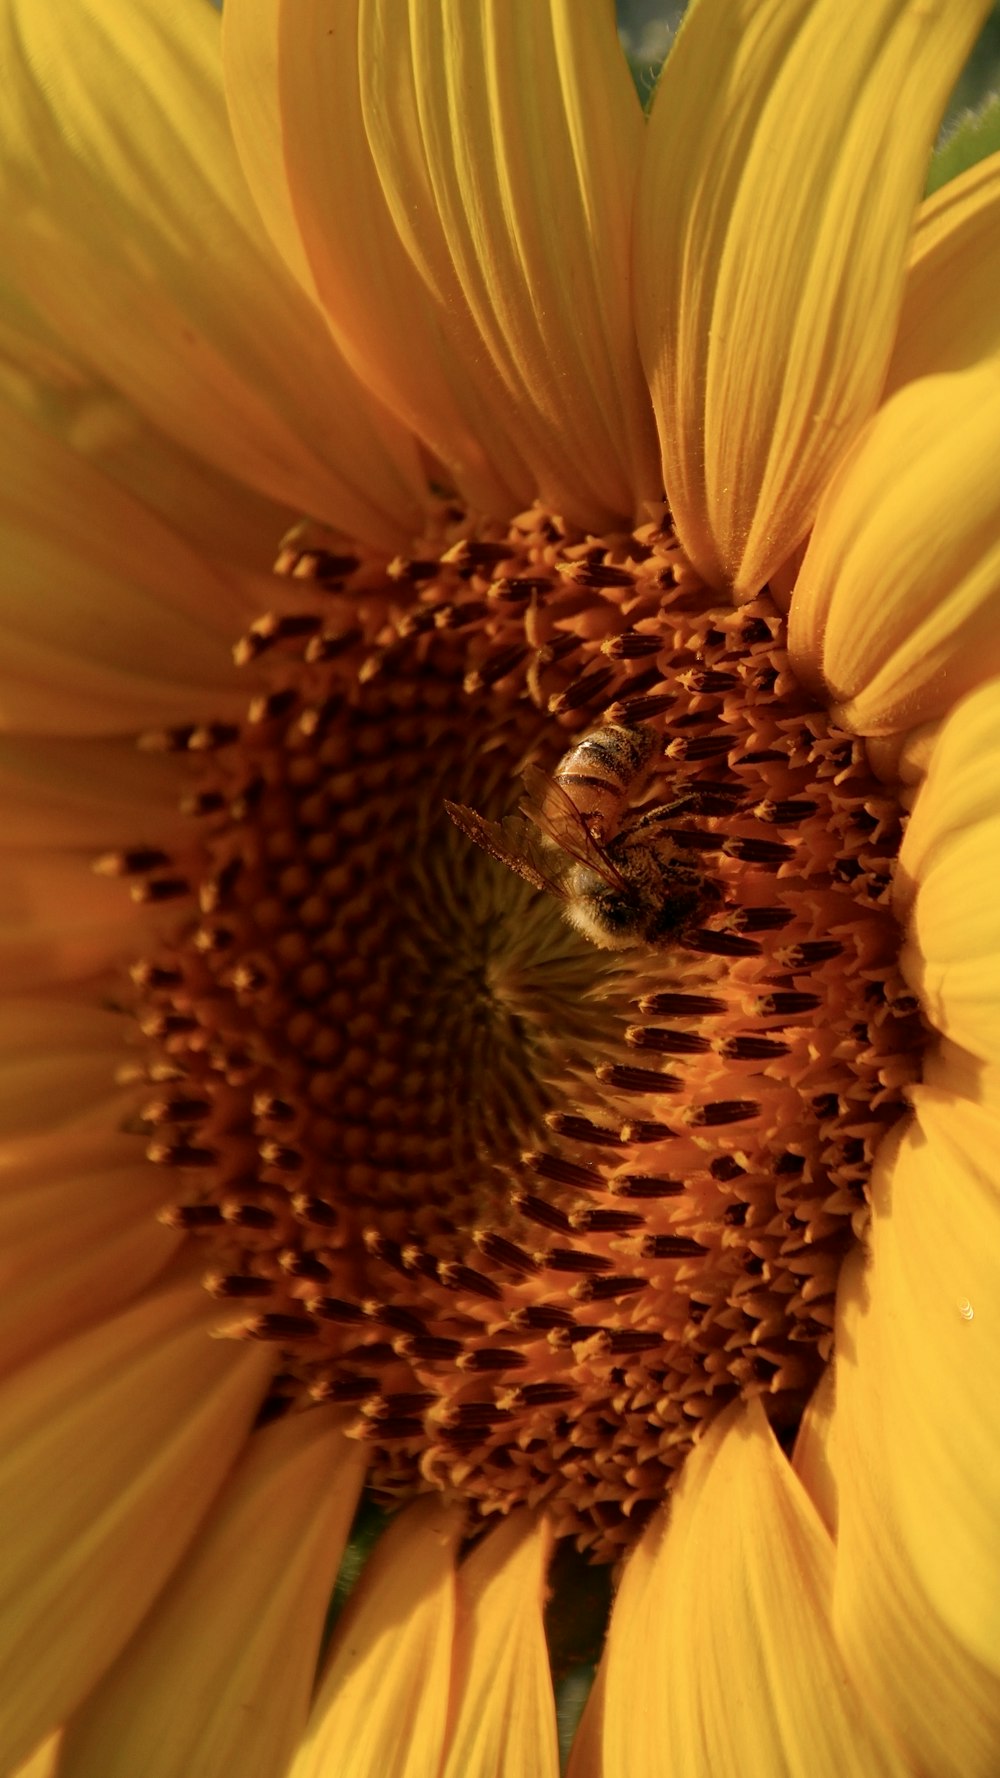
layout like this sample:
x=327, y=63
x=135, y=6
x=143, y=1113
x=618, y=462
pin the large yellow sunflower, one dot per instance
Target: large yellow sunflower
x=336, y=1162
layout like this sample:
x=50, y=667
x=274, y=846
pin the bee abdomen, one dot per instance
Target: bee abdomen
x=613, y=755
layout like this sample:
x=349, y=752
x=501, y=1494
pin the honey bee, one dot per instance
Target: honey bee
x=621, y=878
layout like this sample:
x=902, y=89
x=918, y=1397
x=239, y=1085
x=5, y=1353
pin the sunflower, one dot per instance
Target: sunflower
x=438, y=500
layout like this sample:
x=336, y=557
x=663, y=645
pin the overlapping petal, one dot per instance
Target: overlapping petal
x=138, y=241
x=487, y=123
x=948, y=867
x=787, y=148
x=235, y=1635
x=58, y=1057
x=79, y=1237
x=44, y=1762
x=111, y=621
x=306, y=85
x=721, y=1656
x=60, y=924
x=382, y=1705
x=41, y=375
x=88, y=794
x=904, y=1656
x=950, y=318
x=503, y=1720
x=505, y=342
x=112, y=1447
x=896, y=611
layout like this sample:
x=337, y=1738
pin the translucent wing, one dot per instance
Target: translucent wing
x=512, y=842
x=556, y=815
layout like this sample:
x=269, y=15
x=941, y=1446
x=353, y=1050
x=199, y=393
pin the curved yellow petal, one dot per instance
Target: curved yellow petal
x=112, y=1448
x=935, y=1319
x=79, y=1237
x=388, y=325
x=503, y=1719
x=950, y=318
x=44, y=378
x=939, y=1701
x=382, y=1704
x=96, y=794
x=128, y=224
x=897, y=606
x=111, y=622
x=233, y=1638
x=57, y=1057
x=506, y=137
x=721, y=1657
x=810, y=1458
x=947, y=870
x=44, y=1762
x=787, y=149
x=61, y=924
x=249, y=66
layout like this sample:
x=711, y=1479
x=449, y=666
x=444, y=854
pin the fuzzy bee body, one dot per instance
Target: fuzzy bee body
x=621, y=878
x=601, y=771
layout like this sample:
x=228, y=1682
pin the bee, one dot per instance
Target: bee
x=621, y=878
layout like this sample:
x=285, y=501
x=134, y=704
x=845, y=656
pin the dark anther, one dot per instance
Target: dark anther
x=786, y=1004
x=602, y=1290
x=724, y=1111
x=637, y=1080
x=563, y=1172
x=645, y=1185
x=671, y=1247
x=666, y=1042
x=573, y=1259
x=721, y=944
x=681, y=1005
x=549, y=1216
x=746, y=1049
x=725, y=1167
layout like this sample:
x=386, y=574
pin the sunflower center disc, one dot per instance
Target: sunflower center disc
x=530, y=1209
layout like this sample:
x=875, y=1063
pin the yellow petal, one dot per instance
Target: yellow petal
x=44, y=1762
x=897, y=606
x=131, y=229
x=388, y=325
x=382, y=1704
x=234, y=1637
x=79, y=1237
x=504, y=1720
x=111, y=622
x=941, y=1703
x=57, y=1058
x=41, y=375
x=506, y=137
x=950, y=318
x=97, y=795
x=929, y=1395
x=249, y=67
x=720, y=1656
x=811, y=1459
x=788, y=145
x=948, y=865
x=111, y=1450
x=59, y=923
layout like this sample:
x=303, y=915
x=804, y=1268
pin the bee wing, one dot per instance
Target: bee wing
x=513, y=843
x=554, y=812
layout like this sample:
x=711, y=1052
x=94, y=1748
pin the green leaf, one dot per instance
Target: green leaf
x=975, y=135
